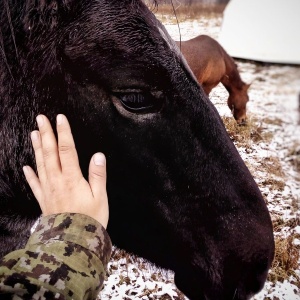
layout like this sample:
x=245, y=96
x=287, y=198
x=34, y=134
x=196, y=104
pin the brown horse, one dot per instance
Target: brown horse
x=211, y=64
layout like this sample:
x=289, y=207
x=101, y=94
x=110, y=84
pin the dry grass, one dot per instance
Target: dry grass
x=273, y=121
x=274, y=184
x=294, y=156
x=295, y=204
x=254, y=132
x=186, y=12
x=286, y=260
x=272, y=165
x=276, y=177
x=287, y=255
x=279, y=223
x=246, y=135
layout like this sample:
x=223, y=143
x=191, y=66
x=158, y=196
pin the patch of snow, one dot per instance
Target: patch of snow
x=280, y=291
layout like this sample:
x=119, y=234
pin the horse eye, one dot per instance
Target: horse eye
x=139, y=102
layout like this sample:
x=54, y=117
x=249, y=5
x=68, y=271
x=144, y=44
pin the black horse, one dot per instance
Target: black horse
x=179, y=193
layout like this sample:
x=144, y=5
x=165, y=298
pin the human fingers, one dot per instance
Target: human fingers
x=34, y=184
x=49, y=146
x=97, y=174
x=66, y=147
x=39, y=156
x=97, y=181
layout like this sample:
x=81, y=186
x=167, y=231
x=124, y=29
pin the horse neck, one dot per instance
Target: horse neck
x=232, y=79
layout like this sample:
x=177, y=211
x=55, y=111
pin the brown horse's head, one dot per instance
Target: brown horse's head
x=237, y=102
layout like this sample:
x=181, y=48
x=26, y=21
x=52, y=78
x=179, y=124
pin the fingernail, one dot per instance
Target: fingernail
x=34, y=135
x=25, y=170
x=40, y=120
x=99, y=159
x=59, y=119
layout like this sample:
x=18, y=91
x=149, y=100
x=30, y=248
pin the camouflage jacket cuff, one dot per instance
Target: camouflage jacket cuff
x=74, y=229
x=65, y=258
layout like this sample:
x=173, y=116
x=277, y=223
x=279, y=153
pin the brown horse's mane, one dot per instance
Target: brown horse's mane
x=232, y=73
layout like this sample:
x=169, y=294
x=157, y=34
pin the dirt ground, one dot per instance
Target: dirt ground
x=270, y=147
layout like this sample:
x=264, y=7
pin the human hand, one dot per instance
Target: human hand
x=60, y=186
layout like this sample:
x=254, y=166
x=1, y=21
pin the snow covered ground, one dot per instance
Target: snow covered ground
x=272, y=154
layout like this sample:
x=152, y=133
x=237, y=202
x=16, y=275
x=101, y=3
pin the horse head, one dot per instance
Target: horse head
x=237, y=102
x=179, y=193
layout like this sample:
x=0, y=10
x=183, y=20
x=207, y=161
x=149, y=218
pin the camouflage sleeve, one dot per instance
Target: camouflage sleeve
x=65, y=258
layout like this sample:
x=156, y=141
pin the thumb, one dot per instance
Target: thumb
x=97, y=174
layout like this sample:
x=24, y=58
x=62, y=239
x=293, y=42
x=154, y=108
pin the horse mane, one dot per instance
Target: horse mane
x=232, y=74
